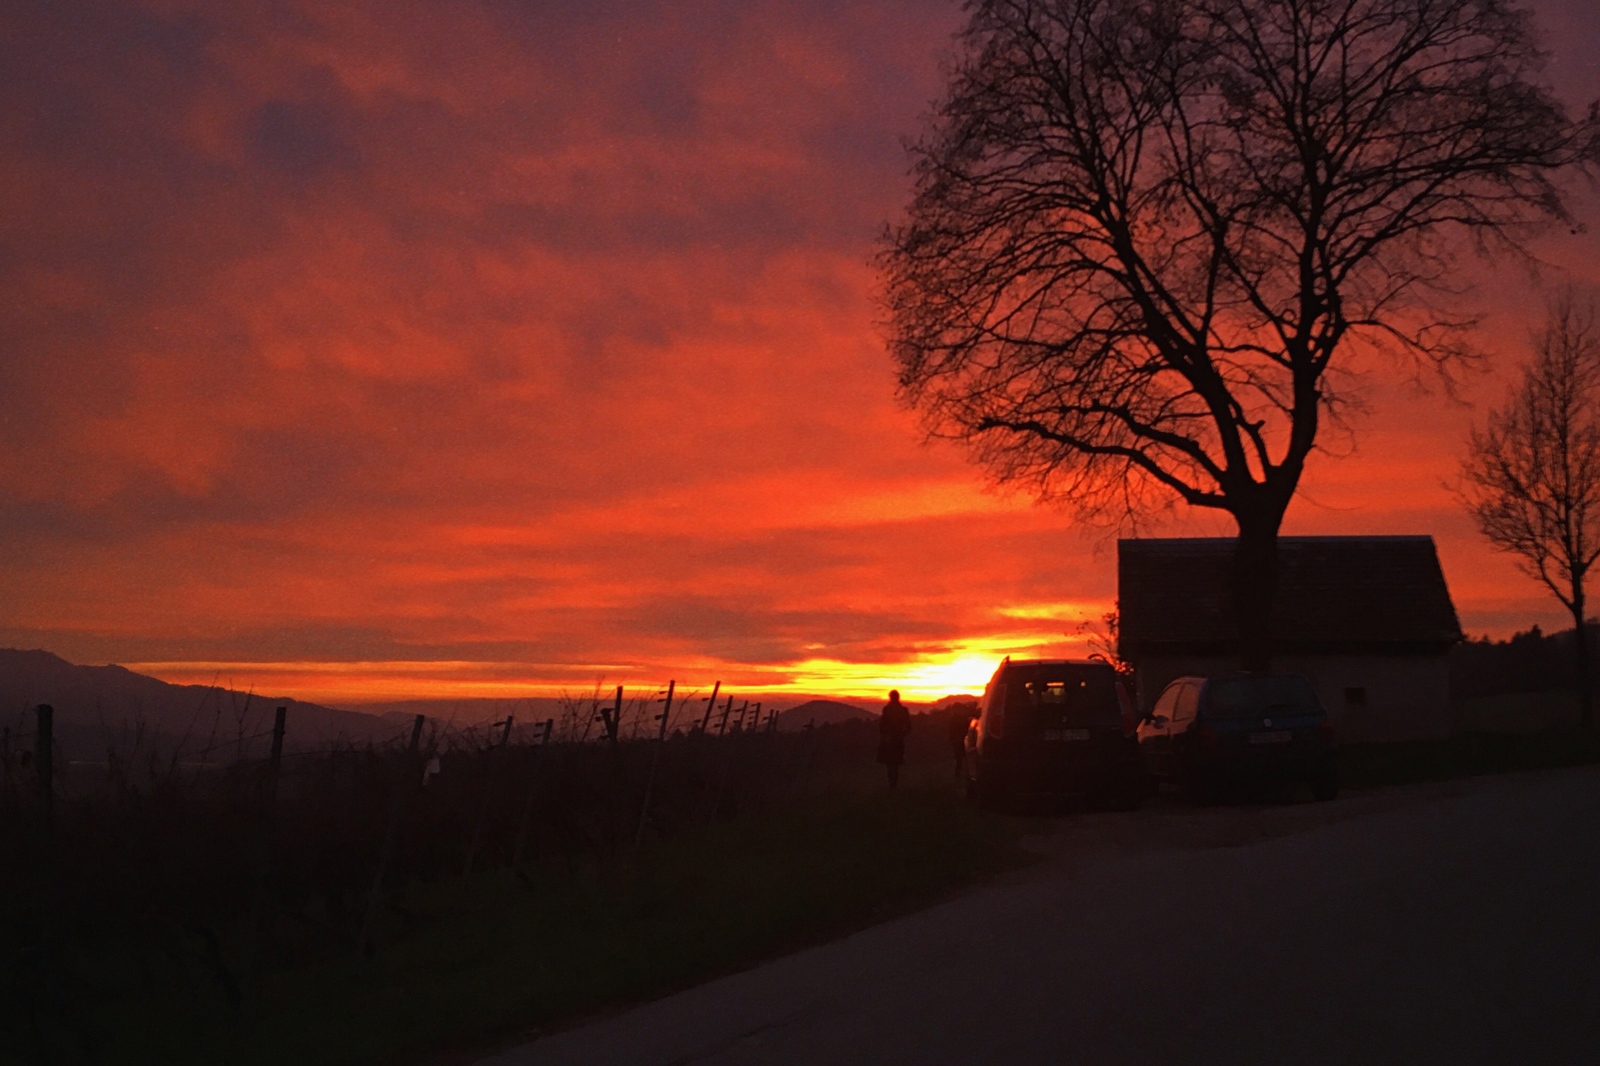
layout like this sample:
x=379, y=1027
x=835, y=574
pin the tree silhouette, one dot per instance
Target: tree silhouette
x=1531, y=477
x=1144, y=231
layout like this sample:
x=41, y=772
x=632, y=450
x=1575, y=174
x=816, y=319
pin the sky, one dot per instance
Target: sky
x=360, y=351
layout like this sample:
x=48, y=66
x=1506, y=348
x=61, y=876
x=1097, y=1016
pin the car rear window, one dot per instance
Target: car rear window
x=1251, y=697
x=1077, y=691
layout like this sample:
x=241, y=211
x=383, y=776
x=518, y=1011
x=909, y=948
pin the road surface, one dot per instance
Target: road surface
x=1453, y=923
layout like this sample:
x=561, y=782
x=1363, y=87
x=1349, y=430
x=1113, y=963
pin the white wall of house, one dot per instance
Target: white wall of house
x=1368, y=697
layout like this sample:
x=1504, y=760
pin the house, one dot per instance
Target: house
x=1367, y=619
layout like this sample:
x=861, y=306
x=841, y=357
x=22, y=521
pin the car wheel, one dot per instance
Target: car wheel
x=1132, y=798
x=1325, y=786
x=1203, y=788
x=989, y=794
x=1129, y=793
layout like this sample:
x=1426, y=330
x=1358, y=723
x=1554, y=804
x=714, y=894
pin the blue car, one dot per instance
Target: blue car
x=1207, y=733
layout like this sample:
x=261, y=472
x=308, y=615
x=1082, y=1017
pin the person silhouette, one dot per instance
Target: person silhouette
x=893, y=725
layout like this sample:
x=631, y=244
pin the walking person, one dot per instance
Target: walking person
x=893, y=725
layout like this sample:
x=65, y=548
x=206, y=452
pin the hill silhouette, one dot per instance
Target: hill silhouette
x=97, y=707
x=822, y=712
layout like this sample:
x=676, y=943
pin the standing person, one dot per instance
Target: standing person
x=893, y=725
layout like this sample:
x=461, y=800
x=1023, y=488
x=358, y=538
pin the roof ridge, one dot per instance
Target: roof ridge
x=1330, y=538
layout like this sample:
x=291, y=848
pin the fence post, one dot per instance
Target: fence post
x=269, y=801
x=44, y=765
x=711, y=705
x=727, y=756
x=722, y=726
x=527, y=810
x=391, y=832
x=655, y=763
x=613, y=721
x=488, y=795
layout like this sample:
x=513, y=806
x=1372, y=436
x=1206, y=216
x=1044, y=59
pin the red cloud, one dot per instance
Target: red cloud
x=536, y=342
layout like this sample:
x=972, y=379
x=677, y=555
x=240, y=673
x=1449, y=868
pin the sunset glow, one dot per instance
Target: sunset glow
x=352, y=362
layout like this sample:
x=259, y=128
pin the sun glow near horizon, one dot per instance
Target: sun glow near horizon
x=923, y=677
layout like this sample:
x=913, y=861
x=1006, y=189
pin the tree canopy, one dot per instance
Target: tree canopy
x=1143, y=231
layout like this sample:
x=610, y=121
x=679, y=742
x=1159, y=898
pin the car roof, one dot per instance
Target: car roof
x=1054, y=662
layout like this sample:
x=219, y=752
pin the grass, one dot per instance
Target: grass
x=494, y=959
x=1465, y=755
x=466, y=964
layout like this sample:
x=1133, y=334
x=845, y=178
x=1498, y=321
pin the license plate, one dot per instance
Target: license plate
x=1277, y=736
x=1066, y=734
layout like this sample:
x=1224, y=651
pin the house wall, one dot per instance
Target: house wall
x=1406, y=697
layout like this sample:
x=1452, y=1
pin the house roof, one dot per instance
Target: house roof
x=1377, y=594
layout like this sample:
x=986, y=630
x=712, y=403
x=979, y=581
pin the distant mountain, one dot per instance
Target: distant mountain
x=943, y=702
x=821, y=712
x=97, y=707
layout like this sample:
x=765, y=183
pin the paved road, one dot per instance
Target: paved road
x=1452, y=923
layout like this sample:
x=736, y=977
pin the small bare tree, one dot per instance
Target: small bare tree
x=1531, y=477
x=1145, y=234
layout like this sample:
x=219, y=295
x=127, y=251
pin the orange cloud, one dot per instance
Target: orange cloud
x=364, y=350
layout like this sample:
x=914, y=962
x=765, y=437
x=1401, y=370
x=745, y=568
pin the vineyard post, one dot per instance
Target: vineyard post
x=269, y=802
x=613, y=721
x=722, y=726
x=533, y=794
x=711, y=705
x=655, y=763
x=727, y=758
x=44, y=765
x=488, y=794
x=404, y=781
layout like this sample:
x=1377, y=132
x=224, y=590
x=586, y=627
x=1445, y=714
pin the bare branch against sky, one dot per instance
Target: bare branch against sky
x=1531, y=478
x=1144, y=235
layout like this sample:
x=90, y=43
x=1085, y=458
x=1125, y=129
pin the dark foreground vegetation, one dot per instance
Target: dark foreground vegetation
x=1465, y=755
x=215, y=915
x=177, y=915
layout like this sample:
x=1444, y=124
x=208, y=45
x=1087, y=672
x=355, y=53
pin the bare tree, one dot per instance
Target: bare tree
x=1145, y=233
x=1531, y=477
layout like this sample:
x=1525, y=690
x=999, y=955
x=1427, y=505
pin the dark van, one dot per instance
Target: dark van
x=1206, y=733
x=1055, y=727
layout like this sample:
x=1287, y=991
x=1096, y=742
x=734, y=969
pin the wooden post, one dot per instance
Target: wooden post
x=655, y=763
x=488, y=796
x=44, y=760
x=269, y=800
x=711, y=705
x=722, y=726
x=727, y=757
x=527, y=810
x=613, y=721
x=404, y=781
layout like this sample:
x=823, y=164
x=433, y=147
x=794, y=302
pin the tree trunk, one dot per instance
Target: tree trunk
x=1585, y=690
x=1254, y=587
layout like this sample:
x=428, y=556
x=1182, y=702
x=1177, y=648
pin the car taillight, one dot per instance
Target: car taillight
x=1325, y=730
x=1206, y=736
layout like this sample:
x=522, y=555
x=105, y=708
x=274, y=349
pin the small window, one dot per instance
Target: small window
x=1355, y=697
